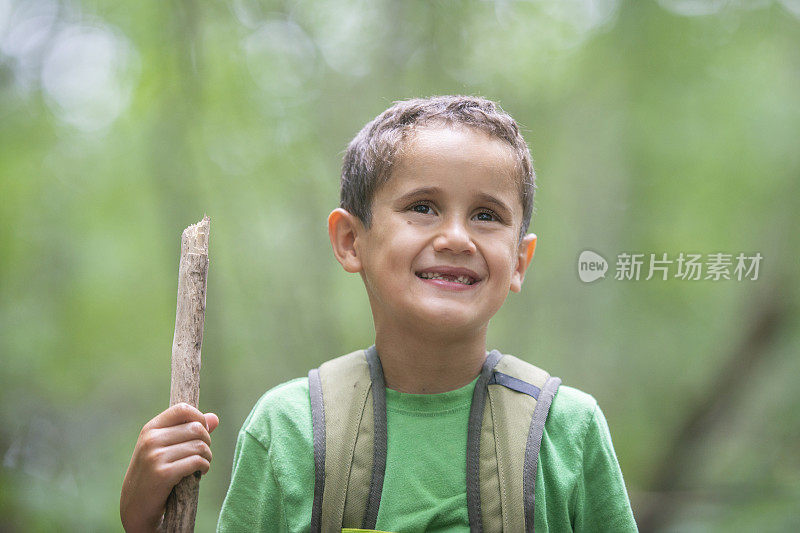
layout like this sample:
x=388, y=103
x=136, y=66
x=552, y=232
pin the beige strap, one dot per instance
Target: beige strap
x=509, y=413
x=489, y=486
x=345, y=389
x=355, y=506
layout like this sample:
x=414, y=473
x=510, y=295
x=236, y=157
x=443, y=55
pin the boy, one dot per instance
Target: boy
x=436, y=199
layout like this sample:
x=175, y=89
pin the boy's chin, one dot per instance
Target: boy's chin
x=446, y=322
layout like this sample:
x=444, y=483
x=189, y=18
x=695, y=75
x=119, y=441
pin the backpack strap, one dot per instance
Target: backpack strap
x=534, y=444
x=505, y=435
x=348, y=413
x=474, y=438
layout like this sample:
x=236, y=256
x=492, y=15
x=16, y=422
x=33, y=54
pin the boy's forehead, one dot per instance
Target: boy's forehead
x=456, y=148
x=430, y=139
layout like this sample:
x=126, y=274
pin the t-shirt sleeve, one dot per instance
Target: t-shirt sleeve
x=253, y=502
x=602, y=502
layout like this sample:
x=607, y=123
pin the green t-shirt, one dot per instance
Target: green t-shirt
x=579, y=484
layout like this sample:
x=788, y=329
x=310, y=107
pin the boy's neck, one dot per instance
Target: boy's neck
x=421, y=365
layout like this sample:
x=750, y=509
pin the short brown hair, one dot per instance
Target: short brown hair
x=373, y=152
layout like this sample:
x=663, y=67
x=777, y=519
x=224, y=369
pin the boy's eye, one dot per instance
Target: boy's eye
x=421, y=208
x=486, y=216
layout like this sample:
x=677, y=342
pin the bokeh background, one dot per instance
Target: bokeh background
x=662, y=126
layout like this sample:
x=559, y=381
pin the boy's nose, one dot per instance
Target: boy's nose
x=453, y=236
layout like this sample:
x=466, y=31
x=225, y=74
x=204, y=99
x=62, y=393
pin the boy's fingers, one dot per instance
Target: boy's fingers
x=212, y=421
x=181, y=433
x=177, y=414
x=180, y=451
x=187, y=466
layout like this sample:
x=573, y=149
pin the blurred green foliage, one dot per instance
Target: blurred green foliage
x=667, y=126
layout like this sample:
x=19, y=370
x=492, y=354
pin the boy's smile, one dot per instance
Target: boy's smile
x=442, y=250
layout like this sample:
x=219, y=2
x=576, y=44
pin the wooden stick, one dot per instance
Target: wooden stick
x=186, y=345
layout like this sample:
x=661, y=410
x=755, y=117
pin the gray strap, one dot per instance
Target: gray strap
x=318, y=423
x=474, y=441
x=379, y=440
x=533, y=445
x=510, y=382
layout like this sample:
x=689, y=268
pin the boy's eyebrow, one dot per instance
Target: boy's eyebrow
x=488, y=198
x=422, y=191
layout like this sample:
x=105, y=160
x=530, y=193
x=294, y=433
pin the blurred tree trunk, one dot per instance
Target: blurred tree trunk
x=708, y=411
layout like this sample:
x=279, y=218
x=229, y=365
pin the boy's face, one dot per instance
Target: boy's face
x=442, y=249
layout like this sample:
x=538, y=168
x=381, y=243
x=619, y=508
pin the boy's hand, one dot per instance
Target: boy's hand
x=171, y=446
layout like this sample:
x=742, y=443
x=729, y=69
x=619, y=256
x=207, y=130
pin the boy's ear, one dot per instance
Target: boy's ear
x=524, y=256
x=343, y=228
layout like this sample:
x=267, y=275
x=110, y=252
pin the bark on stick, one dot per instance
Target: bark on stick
x=186, y=345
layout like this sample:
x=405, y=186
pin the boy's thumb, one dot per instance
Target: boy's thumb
x=212, y=421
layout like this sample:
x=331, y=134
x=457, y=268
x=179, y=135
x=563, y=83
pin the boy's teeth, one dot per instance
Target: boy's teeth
x=458, y=279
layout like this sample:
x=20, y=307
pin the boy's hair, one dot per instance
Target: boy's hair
x=372, y=154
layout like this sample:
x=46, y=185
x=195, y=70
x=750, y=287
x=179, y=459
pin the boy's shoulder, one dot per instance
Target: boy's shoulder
x=572, y=401
x=284, y=407
x=571, y=412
